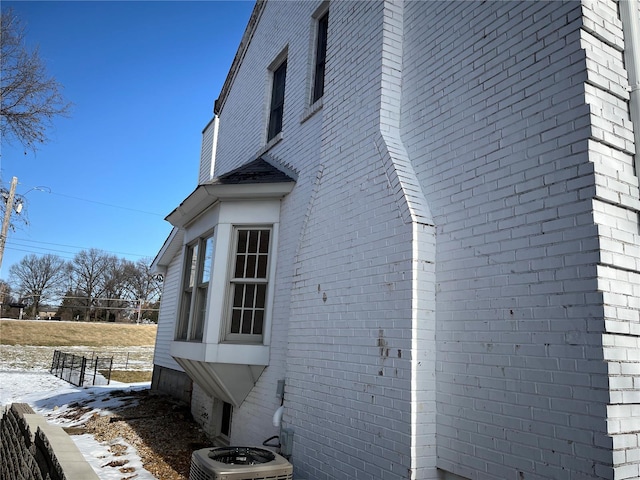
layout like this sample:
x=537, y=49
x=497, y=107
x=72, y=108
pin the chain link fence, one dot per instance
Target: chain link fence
x=81, y=370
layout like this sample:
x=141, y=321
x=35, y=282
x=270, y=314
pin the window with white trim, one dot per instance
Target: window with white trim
x=320, y=57
x=276, y=110
x=193, y=304
x=248, y=284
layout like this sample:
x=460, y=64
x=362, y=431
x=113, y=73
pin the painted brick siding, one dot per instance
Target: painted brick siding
x=497, y=126
x=457, y=270
x=616, y=207
x=242, y=137
x=350, y=346
x=413, y=207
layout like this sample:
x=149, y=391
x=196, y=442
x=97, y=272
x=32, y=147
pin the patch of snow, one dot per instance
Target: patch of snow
x=29, y=357
x=100, y=458
x=51, y=397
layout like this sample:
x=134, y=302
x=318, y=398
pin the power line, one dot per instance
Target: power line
x=109, y=205
x=63, y=253
x=51, y=192
x=68, y=246
x=36, y=252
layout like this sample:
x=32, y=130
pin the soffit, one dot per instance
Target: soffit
x=227, y=381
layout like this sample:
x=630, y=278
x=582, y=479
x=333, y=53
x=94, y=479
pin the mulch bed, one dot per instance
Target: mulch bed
x=161, y=429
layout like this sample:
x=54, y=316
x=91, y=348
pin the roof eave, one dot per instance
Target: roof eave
x=167, y=251
x=206, y=196
x=237, y=60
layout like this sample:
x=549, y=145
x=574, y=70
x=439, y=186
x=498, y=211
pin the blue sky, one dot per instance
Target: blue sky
x=142, y=77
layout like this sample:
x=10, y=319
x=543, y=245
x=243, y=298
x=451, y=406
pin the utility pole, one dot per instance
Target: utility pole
x=7, y=216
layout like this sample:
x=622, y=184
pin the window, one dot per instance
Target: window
x=197, y=272
x=225, y=421
x=248, y=284
x=277, y=101
x=222, y=413
x=321, y=57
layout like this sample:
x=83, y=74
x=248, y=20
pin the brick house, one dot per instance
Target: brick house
x=415, y=228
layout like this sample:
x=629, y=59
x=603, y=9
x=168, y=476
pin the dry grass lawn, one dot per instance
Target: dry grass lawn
x=54, y=333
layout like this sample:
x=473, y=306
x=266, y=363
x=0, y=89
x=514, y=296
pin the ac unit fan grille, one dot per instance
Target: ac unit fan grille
x=241, y=455
x=239, y=463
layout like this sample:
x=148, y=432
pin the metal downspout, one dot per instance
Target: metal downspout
x=630, y=17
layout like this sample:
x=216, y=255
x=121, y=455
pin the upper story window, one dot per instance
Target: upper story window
x=321, y=57
x=197, y=273
x=248, y=284
x=276, y=110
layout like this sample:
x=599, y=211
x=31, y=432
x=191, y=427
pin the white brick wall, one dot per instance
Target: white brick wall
x=615, y=212
x=501, y=342
x=203, y=411
x=241, y=138
x=498, y=129
x=350, y=340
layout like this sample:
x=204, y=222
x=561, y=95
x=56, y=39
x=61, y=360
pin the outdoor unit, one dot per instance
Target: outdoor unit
x=239, y=463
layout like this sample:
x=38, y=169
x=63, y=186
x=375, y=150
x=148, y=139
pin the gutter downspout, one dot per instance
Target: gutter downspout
x=630, y=17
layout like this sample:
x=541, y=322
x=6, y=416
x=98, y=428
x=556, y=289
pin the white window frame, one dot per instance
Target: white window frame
x=233, y=282
x=278, y=62
x=222, y=218
x=192, y=314
x=322, y=12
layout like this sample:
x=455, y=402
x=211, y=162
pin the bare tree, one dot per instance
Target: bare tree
x=143, y=285
x=114, y=293
x=29, y=97
x=89, y=268
x=5, y=297
x=38, y=278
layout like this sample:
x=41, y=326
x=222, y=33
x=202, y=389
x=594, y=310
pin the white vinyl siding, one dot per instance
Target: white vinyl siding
x=207, y=152
x=167, y=315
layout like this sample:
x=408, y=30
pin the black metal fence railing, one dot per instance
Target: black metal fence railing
x=81, y=371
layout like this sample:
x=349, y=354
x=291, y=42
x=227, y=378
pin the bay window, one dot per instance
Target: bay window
x=197, y=273
x=225, y=294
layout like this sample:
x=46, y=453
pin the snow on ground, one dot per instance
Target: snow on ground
x=28, y=357
x=51, y=397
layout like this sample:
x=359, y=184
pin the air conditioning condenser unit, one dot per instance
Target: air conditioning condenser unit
x=239, y=463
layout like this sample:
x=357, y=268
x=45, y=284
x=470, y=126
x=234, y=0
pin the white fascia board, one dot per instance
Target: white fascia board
x=189, y=350
x=206, y=196
x=169, y=249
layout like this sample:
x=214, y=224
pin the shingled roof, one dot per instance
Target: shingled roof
x=257, y=171
x=255, y=180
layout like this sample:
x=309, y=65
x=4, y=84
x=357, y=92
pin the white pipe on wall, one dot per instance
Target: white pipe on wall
x=277, y=417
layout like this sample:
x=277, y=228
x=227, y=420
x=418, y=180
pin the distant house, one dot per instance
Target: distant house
x=415, y=227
